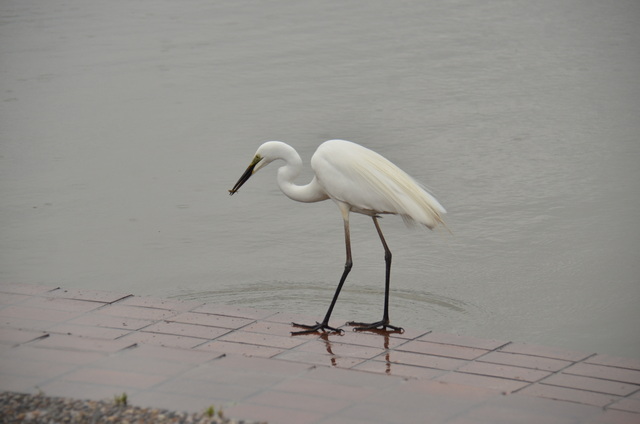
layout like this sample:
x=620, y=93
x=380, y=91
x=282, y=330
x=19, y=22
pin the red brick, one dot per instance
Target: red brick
x=495, y=383
x=438, y=349
x=241, y=349
x=467, y=341
x=525, y=361
x=607, y=373
x=504, y=371
x=180, y=329
x=211, y=320
x=429, y=361
x=544, y=351
x=571, y=395
x=591, y=384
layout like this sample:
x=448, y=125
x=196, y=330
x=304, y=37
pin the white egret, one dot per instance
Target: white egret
x=357, y=180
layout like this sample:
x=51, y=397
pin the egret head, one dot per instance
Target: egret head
x=262, y=158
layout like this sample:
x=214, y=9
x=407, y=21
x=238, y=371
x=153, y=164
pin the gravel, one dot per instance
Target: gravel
x=25, y=408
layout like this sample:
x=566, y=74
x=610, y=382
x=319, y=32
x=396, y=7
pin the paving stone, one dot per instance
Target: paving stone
x=92, y=295
x=67, y=342
x=190, y=330
x=544, y=351
x=138, y=312
x=504, y=371
x=241, y=349
x=298, y=401
x=614, y=361
x=165, y=340
x=571, y=395
x=62, y=304
x=88, y=331
x=324, y=359
x=496, y=383
x=48, y=315
x=101, y=320
x=12, y=298
x=234, y=311
x=329, y=389
x=605, y=372
x=127, y=379
x=159, y=303
x=26, y=289
x=263, y=339
x=271, y=414
x=340, y=349
x=388, y=368
x=15, y=336
x=628, y=404
x=591, y=384
x=211, y=320
x=466, y=341
x=439, y=349
x=525, y=361
x=422, y=360
x=174, y=354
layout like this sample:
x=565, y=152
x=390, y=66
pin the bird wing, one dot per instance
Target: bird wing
x=371, y=184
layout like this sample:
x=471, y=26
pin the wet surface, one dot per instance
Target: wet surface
x=124, y=127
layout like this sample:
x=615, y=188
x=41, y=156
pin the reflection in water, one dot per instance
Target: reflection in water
x=334, y=358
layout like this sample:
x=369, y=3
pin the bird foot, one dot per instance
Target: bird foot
x=319, y=326
x=383, y=326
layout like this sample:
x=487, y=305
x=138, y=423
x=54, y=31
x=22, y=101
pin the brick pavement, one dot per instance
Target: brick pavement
x=186, y=355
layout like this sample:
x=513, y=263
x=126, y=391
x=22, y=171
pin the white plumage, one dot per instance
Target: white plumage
x=358, y=180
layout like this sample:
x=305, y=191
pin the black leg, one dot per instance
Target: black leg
x=384, y=323
x=324, y=325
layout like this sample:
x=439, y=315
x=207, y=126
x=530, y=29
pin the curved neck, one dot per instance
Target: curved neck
x=311, y=192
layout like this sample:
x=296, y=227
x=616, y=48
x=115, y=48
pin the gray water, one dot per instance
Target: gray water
x=124, y=123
